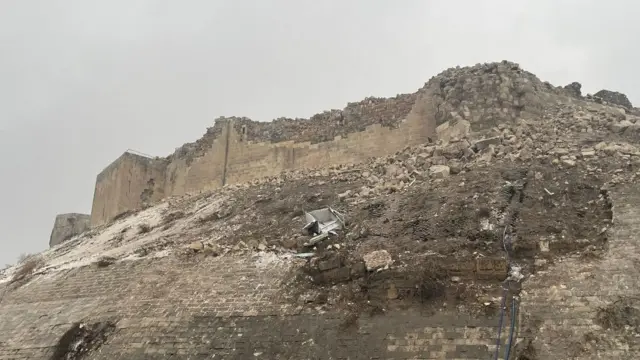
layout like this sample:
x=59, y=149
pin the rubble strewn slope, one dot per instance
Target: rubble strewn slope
x=538, y=161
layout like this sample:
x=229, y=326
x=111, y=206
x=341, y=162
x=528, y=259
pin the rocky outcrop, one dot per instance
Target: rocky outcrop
x=67, y=226
x=614, y=97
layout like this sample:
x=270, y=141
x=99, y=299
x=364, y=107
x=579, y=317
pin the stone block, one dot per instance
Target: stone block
x=330, y=263
x=491, y=268
x=336, y=275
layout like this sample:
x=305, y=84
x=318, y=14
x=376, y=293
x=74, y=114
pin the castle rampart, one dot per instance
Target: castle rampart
x=126, y=184
x=237, y=149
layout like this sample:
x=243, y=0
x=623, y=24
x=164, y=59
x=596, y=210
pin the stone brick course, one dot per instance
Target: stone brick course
x=561, y=302
x=172, y=309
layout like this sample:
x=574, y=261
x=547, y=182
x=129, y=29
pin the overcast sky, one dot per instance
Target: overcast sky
x=81, y=81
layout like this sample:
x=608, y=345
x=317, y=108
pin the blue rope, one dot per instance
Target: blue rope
x=513, y=324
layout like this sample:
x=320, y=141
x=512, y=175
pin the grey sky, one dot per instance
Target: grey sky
x=83, y=80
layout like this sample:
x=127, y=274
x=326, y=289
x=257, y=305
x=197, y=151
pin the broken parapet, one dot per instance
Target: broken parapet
x=67, y=226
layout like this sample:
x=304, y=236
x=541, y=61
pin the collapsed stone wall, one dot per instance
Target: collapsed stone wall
x=355, y=117
x=471, y=101
x=235, y=309
x=577, y=309
x=67, y=226
x=320, y=127
x=614, y=97
x=486, y=95
x=326, y=126
x=238, y=149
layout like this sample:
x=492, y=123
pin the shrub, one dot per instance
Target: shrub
x=28, y=265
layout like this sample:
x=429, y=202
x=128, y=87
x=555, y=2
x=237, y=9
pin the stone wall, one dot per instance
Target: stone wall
x=67, y=226
x=575, y=308
x=237, y=150
x=250, y=161
x=228, y=307
x=232, y=307
x=355, y=117
x=321, y=127
x=127, y=184
x=566, y=304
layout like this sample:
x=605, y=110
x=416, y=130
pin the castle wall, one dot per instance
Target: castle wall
x=232, y=307
x=225, y=307
x=237, y=150
x=127, y=184
x=67, y=226
x=249, y=161
x=200, y=173
x=325, y=126
x=566, y=306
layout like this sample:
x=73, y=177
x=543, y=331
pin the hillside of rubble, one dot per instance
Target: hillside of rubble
x=424, y=228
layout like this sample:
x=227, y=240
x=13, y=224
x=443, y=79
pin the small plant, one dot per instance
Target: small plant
x=28, y=264
x=143, y=228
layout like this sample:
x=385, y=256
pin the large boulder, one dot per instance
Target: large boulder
x=67, y=226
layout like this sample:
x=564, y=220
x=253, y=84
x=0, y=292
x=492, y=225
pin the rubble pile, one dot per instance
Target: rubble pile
x=586, y=138
x=614, y=97
x=427, y=222
x=545, y=140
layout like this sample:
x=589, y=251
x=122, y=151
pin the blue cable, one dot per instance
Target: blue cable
x=502, y=306
x=506, y=244
x=513, y=324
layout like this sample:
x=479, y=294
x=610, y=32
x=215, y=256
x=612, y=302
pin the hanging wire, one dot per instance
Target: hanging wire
x=506, y=245
x=513, y=325
x=502, y=308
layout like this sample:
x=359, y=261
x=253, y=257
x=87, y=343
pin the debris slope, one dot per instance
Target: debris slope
x=514, y=184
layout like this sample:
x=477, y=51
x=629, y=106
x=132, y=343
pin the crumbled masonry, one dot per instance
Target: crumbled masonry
x=488, y=197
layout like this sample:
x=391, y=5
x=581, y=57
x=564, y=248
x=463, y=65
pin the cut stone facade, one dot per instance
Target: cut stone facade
x=67, y=226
